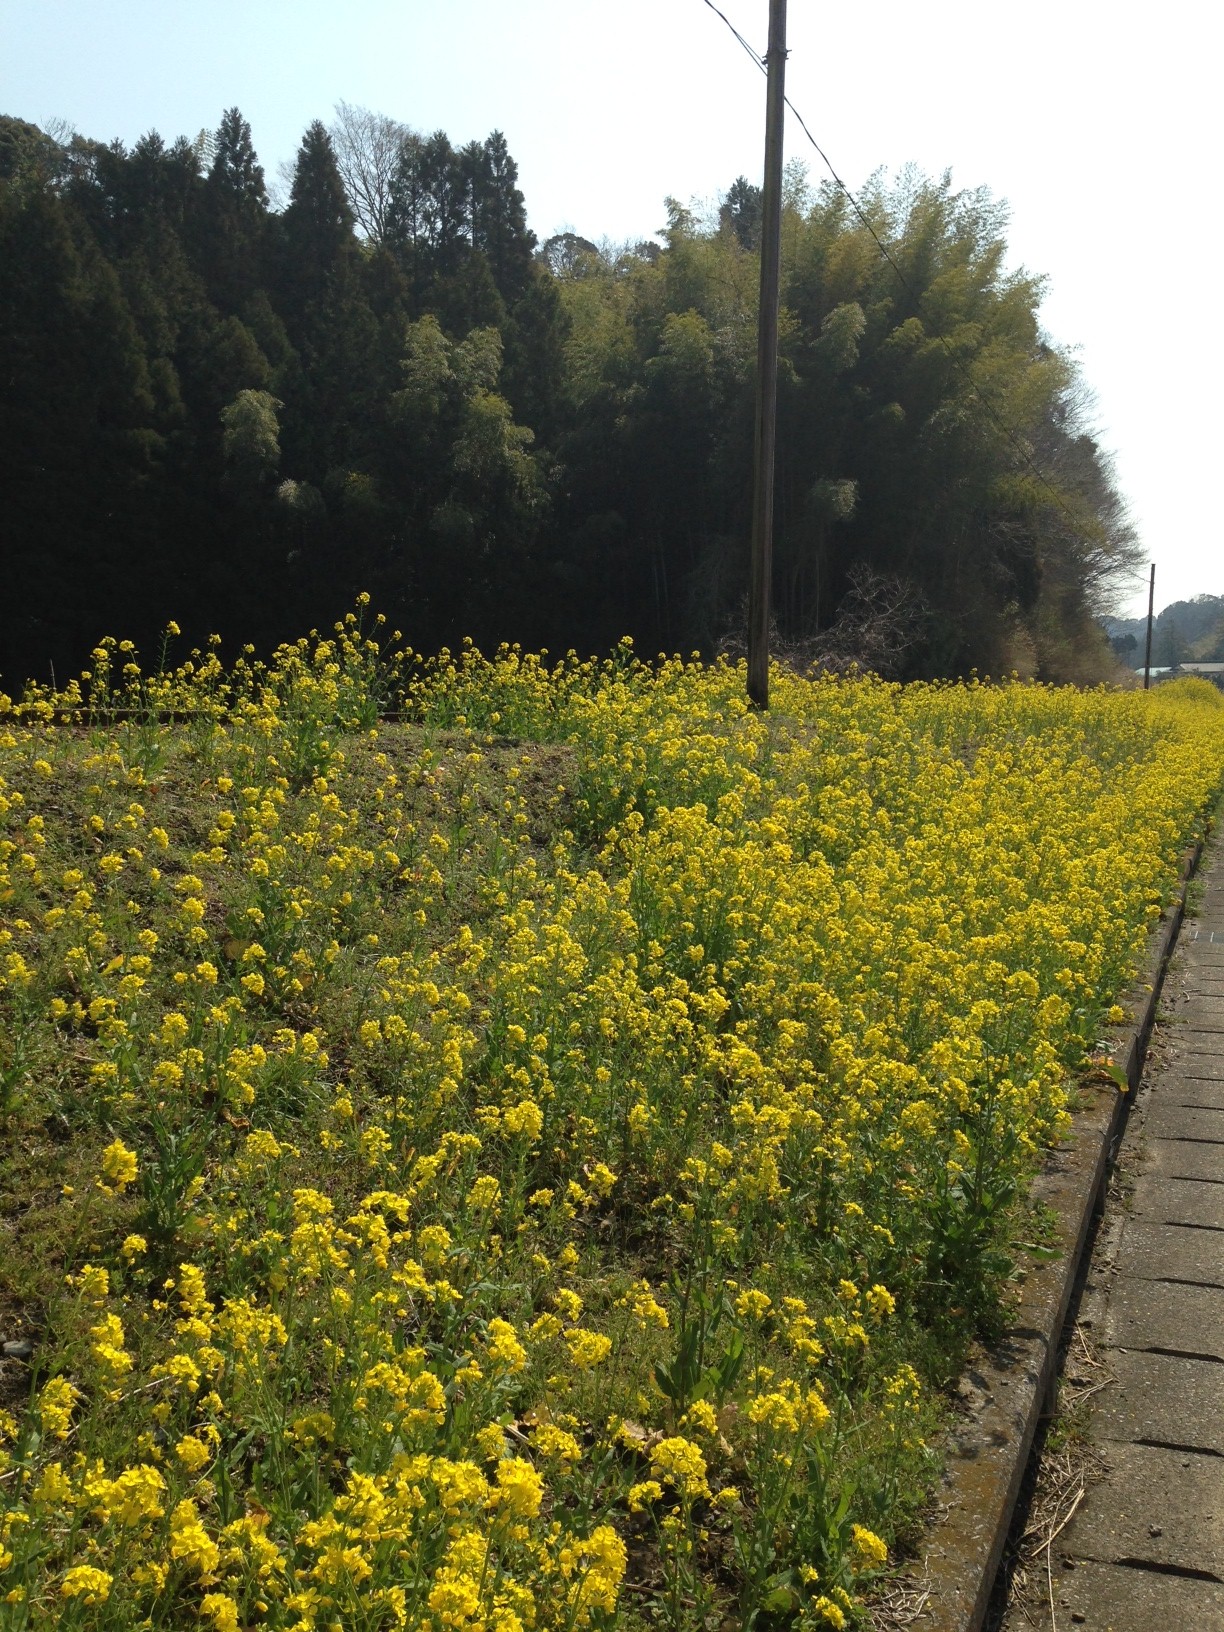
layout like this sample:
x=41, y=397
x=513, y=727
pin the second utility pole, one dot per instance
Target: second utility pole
x=764, y=438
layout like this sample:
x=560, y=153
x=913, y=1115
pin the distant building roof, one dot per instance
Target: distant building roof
x=1185, y=668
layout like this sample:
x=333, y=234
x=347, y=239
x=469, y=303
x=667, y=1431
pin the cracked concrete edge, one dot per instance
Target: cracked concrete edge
x=1008, y=1386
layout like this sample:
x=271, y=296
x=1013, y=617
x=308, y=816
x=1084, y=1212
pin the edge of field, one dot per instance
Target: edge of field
x=1005, y=1388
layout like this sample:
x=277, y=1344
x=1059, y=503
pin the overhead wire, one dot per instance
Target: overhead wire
x=999, y=423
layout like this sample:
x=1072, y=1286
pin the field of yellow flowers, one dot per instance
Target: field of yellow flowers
x=493, y=1145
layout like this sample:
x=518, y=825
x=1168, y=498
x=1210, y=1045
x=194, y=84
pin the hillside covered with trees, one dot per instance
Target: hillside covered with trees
x=1184, y=631
x=239, y=417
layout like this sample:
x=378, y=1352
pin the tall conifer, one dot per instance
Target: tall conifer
x=317, y=227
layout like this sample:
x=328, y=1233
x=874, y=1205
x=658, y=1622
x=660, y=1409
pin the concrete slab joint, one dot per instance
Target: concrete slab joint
x=1164, y=1419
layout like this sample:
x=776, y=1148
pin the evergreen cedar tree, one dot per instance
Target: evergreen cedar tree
x=240, y=417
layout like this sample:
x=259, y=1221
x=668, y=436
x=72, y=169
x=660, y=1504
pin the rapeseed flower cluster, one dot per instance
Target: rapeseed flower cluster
x=571, y=1121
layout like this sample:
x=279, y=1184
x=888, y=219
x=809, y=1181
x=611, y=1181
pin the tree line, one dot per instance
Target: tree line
x=239, y=416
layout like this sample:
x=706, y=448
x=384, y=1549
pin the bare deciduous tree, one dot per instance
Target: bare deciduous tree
x=368, y=146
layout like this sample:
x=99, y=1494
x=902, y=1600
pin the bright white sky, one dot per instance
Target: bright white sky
x=1095, y=121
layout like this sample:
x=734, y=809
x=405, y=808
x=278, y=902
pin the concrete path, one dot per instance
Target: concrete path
x=1144, y=1551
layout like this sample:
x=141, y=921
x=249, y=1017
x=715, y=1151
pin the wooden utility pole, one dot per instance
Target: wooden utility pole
x=1147, y=655
x=767, y=365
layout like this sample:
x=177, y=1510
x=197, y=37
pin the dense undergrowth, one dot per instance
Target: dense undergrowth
x=531, y=1160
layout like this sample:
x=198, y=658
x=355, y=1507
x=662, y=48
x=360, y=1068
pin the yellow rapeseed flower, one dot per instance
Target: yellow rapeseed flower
x=118, y=1165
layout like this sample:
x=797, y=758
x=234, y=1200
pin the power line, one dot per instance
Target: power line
x=999, y=423
x=756, y=57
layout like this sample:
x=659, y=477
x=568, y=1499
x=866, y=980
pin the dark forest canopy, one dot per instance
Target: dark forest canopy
x=240, y=417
